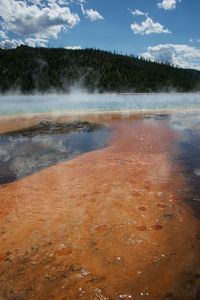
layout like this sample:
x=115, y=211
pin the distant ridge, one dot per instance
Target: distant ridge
x=31, y=70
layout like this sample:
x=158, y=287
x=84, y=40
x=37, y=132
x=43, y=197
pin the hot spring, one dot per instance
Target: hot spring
x=83, y=102
x=99, y=196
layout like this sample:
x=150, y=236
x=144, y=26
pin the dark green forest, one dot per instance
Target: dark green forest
x=56, y=69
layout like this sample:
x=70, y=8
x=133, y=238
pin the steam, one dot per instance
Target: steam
x=79, y=100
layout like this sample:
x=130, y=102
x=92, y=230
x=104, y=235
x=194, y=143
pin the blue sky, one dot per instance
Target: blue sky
x=161, y=30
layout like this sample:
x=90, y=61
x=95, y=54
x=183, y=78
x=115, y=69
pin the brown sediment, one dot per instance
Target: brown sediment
x=109, y=224
x=143, y=208
x=162, y=205
x=17, y=122
x=156, y=227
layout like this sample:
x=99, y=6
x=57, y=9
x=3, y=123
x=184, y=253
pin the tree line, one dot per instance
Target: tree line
x=43, y=70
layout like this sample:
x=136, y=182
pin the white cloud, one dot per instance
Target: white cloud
x=3, y=35
x=167, y=4
x=194, y=41
x=31, y=20
x=10, y=44
x=147, y=27
x=60, y=2
x=73, y=47
x=36, y=42
x=138, y=12
x=91, y=14
x=37, y=2
x=179, y=55
x=13, y=43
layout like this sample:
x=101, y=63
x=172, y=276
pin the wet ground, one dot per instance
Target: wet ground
x=112, y=223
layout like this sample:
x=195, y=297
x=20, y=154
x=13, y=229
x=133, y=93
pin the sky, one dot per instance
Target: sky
x=159, y=30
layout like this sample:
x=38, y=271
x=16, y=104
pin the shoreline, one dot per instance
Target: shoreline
x=10, y=122
x=100, y=112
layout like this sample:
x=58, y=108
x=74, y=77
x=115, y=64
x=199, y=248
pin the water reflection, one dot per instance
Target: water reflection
x=188, y=125
x=27, y=151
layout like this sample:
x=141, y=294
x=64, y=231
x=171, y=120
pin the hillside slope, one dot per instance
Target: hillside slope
x=56, y=69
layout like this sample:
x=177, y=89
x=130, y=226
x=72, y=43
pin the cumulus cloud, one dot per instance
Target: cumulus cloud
x=36, y=42
x=138, y=12
x=147, y=27
x=3, y=35
x=31, y=20
x=91, y=14
x=14, y=43
x=167, y=4
x=10, y=44
x=73, y=47
x=183, y=56
x=37, y=2
x=61, y=2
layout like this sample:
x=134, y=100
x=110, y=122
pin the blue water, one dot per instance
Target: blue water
x=25, y=152
x=18, y=104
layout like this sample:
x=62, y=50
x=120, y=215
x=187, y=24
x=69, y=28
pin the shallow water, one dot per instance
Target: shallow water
x=25, y=152
x=108, y=224
x=18, y=104
x=188, y=125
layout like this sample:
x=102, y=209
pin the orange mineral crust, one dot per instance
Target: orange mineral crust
x=109, y=224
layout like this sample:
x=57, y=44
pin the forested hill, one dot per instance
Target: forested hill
x=49, y=69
